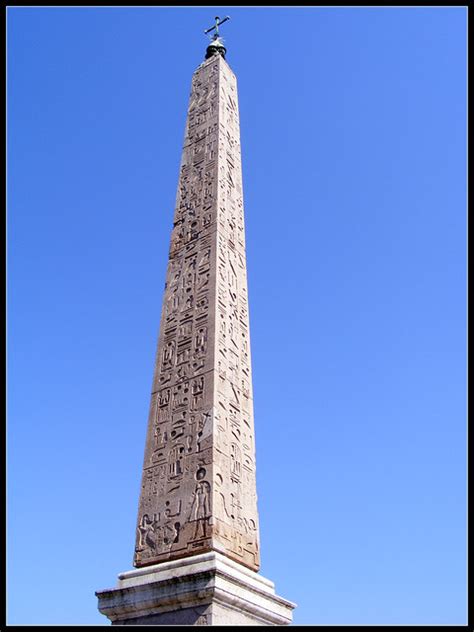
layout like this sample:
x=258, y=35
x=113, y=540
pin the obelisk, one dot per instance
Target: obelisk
x=197, y=539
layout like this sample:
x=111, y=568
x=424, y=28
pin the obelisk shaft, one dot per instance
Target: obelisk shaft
x=198, y=487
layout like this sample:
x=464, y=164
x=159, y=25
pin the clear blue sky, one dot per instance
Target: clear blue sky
x=353, y=126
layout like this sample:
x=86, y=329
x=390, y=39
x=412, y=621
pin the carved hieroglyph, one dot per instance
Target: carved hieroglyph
x=198, y=488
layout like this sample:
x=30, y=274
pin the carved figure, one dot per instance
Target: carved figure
x=146, y=533
x=200, y=508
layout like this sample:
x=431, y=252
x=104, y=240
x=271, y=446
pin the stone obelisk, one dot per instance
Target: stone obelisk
x=197, y=539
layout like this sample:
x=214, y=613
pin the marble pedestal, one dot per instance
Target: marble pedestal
x=205, y=589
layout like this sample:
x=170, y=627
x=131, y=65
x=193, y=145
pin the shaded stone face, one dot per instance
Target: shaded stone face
x=198, y=488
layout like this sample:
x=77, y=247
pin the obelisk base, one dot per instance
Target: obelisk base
x=205, y=589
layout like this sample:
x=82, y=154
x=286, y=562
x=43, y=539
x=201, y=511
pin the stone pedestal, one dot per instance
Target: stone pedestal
x=205, y=589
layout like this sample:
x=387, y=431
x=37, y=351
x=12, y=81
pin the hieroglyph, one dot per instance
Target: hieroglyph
x=198, y=488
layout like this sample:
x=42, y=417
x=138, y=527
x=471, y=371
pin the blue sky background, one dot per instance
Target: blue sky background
x=353, y=127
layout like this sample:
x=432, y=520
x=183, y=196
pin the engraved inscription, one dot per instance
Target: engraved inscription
x=198, y=485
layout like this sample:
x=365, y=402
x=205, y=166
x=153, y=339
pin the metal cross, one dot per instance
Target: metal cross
x=216, y=26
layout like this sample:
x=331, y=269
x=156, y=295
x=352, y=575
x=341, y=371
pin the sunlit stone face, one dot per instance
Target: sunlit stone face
x=198, y=487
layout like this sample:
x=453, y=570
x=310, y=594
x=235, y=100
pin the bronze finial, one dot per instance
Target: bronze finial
x=216, y=45
x=216, y=26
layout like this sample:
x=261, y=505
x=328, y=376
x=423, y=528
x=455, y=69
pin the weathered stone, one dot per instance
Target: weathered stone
x=198, y=488
x=206, y=589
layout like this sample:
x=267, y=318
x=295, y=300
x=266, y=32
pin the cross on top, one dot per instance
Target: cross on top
x=216, y=26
